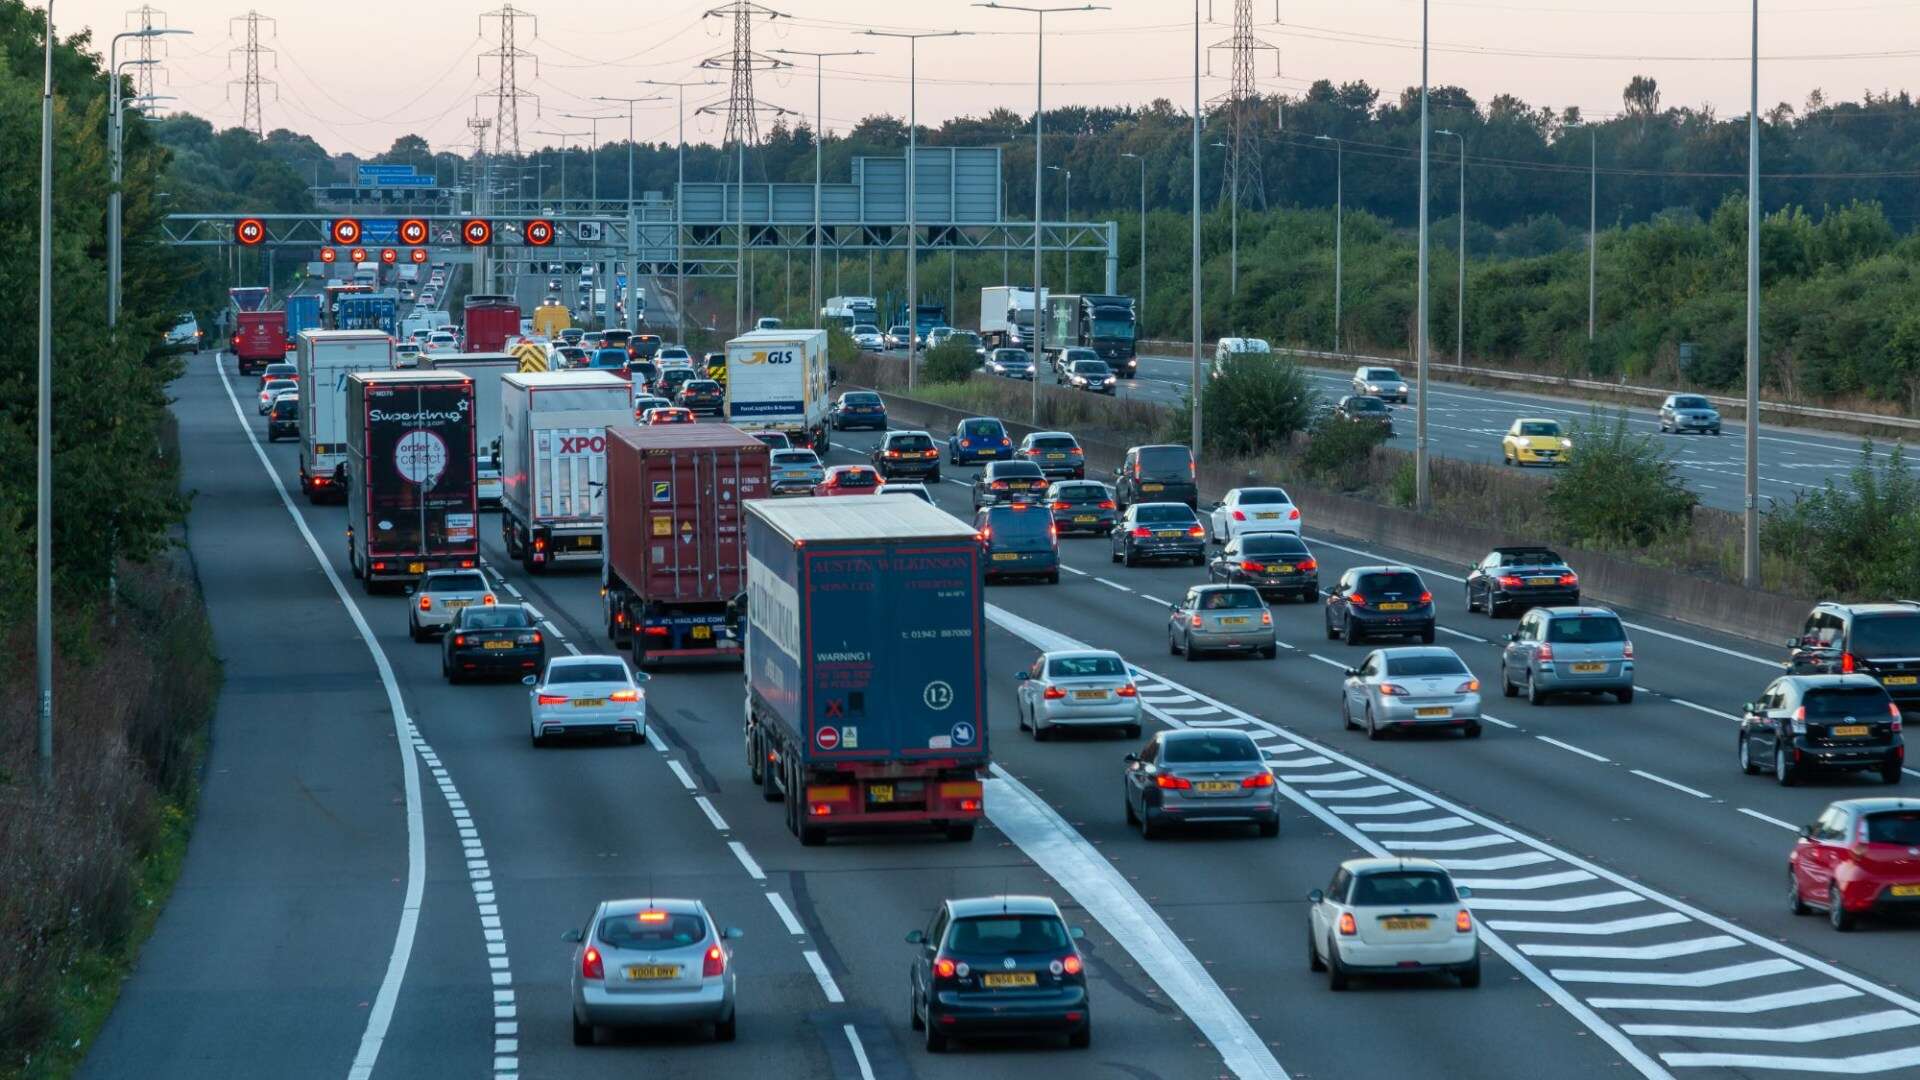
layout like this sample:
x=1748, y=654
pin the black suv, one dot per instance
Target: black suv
x=1881, y=640
x=1156, y=474
x=907, y=453
x=1804, y=722
x=1380, y=601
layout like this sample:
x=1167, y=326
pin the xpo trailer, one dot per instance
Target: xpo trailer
x=553, y=461
x=676, y=544
x=410, y=475
x=865, y=664
x=324, y=359
x=776, y=380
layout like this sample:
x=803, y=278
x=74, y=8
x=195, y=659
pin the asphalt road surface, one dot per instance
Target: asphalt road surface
x=383, y=866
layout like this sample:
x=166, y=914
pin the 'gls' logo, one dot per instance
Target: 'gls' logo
x=574, y=444
x=776, y=356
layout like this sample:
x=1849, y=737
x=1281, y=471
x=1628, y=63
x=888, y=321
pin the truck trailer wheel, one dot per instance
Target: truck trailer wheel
x=960, y=832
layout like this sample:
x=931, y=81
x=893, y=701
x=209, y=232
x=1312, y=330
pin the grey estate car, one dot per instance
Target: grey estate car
x=1568, y=650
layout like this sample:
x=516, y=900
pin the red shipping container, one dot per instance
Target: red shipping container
x=675, y=524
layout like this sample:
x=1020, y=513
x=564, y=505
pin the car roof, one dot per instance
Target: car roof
x=1224, y=586
x=450, y=571
x=971, y=907
x=1581, y=611
x=1146, y=505
x=1535, y=420
x=1051, y=434
x=1158, y=446
x=635, y=905
x=585, y=658
x=1262, y=487
x=1075, y=654
x=1190, y=734
x=1382, y=568
x=1877, y=803
x=908, y=434
x=1399, y=651
x=1376, y=866
x=1825, y=682
x=1508, y=549
x=978, y=419
x=1011, y=466
x=1880, y=608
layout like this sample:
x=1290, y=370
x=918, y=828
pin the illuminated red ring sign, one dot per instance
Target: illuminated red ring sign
x=538, y=232
x=358, y=255
x=346, y=232
x=327, y=255
x=413, y=231
x=250, y=231
x=477, y=232
x=418, y=255
x=389, y=256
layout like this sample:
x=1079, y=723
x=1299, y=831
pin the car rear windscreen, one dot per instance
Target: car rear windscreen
x=1408, y=666
x=981, y=429
x=1015, y=470
x=585, y=673
x=795, y=458
x=1894, y=827
x=857, y=478
x=1007, y=935
x=650, y=930
x=1401, y=887
x=1054, y=442
x=1885, y=636
x=495, y=618
x=1366, y=404
x=910, y=442
x=1165, y=461
x=1229, y=599
x=1539, y=557
x=1867, y=702
x=1273, y=544
x=1009, y=522
x=1161, y=515
x=863, y=399
x=1073, y=667
x=1263, y=496
x=454, y=583
x=1081, y=493
x=1585, y=630
x=1208, y=748
x=1401, y=582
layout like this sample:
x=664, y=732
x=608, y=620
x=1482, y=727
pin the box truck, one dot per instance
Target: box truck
x=553, y=463
x=486, y=368
x=1006, y=317
x=487, y=322
x=865, y=664
x=303, y=313
x=410, y=475
x=259, y=339
x=324, y=359
x=777, y=381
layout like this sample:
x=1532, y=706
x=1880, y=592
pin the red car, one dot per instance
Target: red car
x=672, y=415
x=849, y=480
x=1860, y=857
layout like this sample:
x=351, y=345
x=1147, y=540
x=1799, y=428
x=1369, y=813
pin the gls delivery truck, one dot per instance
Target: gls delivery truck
x=324, y=359
x=777, y=381
x=553, y=463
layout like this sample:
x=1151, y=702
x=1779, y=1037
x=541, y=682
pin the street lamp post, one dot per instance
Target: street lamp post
x=1339, y=223
x=633, y=225
x=1141, y=319
x=819, y=143
x=1750, y=563
x=1066, y=214
x=1593, y=225
x=1039, y=112
x=1194, y=221
x=1460, y=284
x=563, y=136
x=43, y=510
x=679, y=197
x=114, y=132
x=593, y=196
x=1423, y=484
x=913, y=153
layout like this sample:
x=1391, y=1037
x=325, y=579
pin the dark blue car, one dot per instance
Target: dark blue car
x=977, y=439
x=1020, y=541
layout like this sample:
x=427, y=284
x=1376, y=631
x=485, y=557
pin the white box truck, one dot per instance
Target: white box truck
x=1006, y=317
x=323, y=359
x=553, y=446
x=777, y=381
x=486, y=368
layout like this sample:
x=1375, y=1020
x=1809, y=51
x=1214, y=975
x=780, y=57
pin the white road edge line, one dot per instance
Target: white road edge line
x=781, y=909
x=380, y=1016
x=859, y=1052
x=825, y=977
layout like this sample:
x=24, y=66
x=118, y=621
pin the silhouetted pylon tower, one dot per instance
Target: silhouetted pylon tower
x=1242, y=104
x=478, y=126
x=743, y=110
x=143, y=76
x=506, y=92
x=251, y=80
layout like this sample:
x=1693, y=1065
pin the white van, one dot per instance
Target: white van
x=1228, y=347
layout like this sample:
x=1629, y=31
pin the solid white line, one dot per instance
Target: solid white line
x=380, y=1016
x=1711, y=943
x=1790, y=827
x=1788, y=999
x=1108, y=897
x=680, y=771
x=1720, y=976
x=1073, y=570
x=1327, y=661
x=746, y=860
x=1460, y=634
x=1865, y=1024
x=781, y=909
x=1858, y=1065
x=1695, y=792
x=712, y=814
x=859, y=1052
x=1575, y=749
x=820, y=972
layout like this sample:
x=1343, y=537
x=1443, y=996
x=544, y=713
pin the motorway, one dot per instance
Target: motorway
x=383, y=866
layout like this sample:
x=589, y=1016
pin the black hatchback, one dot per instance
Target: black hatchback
x=702, y=396
x=1082, y=506
x=1278, y=565
x=909, y=454
x=1380, y=601
x=283, y=418
x=498, y=639
x=1805, y=722
x=998, y=965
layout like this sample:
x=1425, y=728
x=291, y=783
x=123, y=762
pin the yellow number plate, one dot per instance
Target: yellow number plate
x=1405, y=923
x=702, y=633
x=1267, y=517
x=1905, y=890
x=1393, y=607
x=653, y=971
x=588, y=702
x=586, y=541
x=1216, y=785
x=1541, y=580
x=1000, y=979
x=1283, y=568
x=1153, y=487
x=1900, y=680
x=1235, y=620
x=1084, y=519
x=1056, y=457
x=1090, y=695
x=1440, y=710
x=880, y=793
x=1852, y=729
x=1005, y=556
x=455, y=605
x=416, y=568
x=1164, y=535
x=499, y=644
x=1588, y=669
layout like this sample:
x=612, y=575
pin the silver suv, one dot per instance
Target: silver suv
x=1568, y=650
x=441, y=594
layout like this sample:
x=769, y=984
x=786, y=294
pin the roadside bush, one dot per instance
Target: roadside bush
x=1618, y=490
x=1859, y=540
x=1256, y=404
x=1339, y=453
x=949, y=362
x=840, y=346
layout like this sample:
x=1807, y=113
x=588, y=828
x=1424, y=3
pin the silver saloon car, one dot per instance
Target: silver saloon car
x=1221, y=618
x=642, y=963
x=1077, y=688
x=1193, y=775
x=1411, y=687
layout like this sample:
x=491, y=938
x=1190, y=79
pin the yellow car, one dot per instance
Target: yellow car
x=1535, y=442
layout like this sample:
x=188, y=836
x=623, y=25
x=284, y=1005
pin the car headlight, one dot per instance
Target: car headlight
x=1372, y=389
x=1566, y=444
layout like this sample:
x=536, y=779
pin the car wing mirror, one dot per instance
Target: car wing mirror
x=733, y=933
x=1316, y=896
x=641, y=677
x=916, y=937
x=1513, y=637
x=1132, y=759
x=573, y=936
x=1465, y=892
x=1019, y=676
x=1353, y=673
x=411, y=590
x=530, y=680
x=1806, y=832
x=1077, y=932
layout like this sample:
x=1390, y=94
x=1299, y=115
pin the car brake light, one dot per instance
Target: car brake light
x=1239, y=515
x=1471, y=686
x=624, y=695
x=653, y=916
x=1626, y=652
x=655, y=631
x=426, y=602
x=1196, y=531
x=1070, y=964
x=1006, y=442
x=1463, y=921
x=1032, y=451
x=1894, y=724
x=1847, y=663
x=1266, y=618
x=1053, y=693
x=1294, y=514
x=1310, y=564
x=944, y=968
x=1128, y=690
x=552, y=699
x=1509, y=581
x=1426, y=598
x=488, y=600
x=1357, y=600
x=716, y=963
x=459, y=639
x=1253, y=567
x=1259, y=779
x=1800, y=720
x=1569, y=578
x=1393, y=689
x=1172, y=783
x=999, y=485
x=1195, y=621
x=1546, y=650
x=1060, y=506
x=1108, y=504
x=1348, y=927
x=1142, y=530
x=537, y=639
x=590, y=966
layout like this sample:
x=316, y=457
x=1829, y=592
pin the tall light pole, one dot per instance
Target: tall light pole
x=633, y=224
x=1423, y=483
x=1339, y=224
x=114, y=132
x=819, y=144
x=1593, y=224
x=43, y=510
x=1039, y=142
x=1194, y=220
x=1460, y=285
x=1066, y=214
x=679, y=200
x=563, y=136
x=913, y=148
x=1750, y=564
x=1140, y=321
x=593, y=151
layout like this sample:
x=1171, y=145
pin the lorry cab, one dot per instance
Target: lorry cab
x=1020, y=540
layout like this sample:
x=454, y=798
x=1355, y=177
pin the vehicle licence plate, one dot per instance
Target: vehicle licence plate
x=1056, y=457
x=1905, y=890
x=416, y=568
x=1089, y=695
x=1001, y=979
x=1235, y=620
x=1283, y=568
x=1393, y=607
x=499, y=645
x=1216, y=785
x=1405, y=922
x=1084, y=519
x=1266, y=517
x=880, y=793
x=1153, y=487
x=1005, y=556
x=703, y=633
x=1589, y=669
x=589, y=702
x=1541, y=580
x=455, y=605
x=640, y=972
x=1900, y=680
x=1166, y=535
x=1851, y=729
x=1438, y=710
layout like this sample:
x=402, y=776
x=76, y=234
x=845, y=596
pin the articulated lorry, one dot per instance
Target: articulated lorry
x=676, y=540
x=865, y=664
x=1102, y=323
x=410, y=475
x=776, y=380
x=1006, y=316
x=553, y=463
x=324, y=359
x=303, y=313
x=847, y=312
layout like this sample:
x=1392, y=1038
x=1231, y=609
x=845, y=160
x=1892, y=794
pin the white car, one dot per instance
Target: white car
x=1392, y=917
x=1254, y=510
x=441, y=341
x=867, y=336
x=1381, y=382
x=440, y=594
x=918, y=491
x=587, y=695
x=406, y=354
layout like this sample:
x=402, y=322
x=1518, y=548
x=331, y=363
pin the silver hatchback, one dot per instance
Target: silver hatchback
x=1220, y=618
x=1411, y=687
x=652, y=962
x=439, y=597
x=1568, y=650
x=1077, y=688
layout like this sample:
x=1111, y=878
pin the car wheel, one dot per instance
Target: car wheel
x=1837, y=913
x=1473, y=730
x=413, y=630
x=933, y=477
x=1173, y=648
x=1270, y=652
x=1469, y=976
x=1020, y=717
x=582, y=1033
x=1495, y=609
x=1126, y=556
x=1747, y=764
x=1535, y=695
x=1352, y=633
x=1041, y=733
x=1053, y=578
x=1426, y=636
x=936, y=1041
x=1784, y=772
x=1082, y=1039
x=1333, y=634
x=1336, y=975
x=1132, y=818
x=725, y=1030
x=1795, y=904
x=1192, y=653
x=1890, y=773
x=1373, y=729
x=1506, y=685
x=1148, y=830
x=1472, y=604
x=1624, y=695
x=1270, y=829
x=1131, y=731
x=913, y=1011
x=1314, y=963
x=960, y=832
x=1346, y=715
